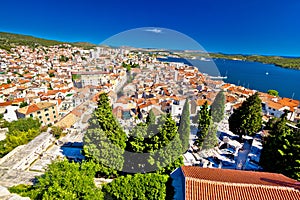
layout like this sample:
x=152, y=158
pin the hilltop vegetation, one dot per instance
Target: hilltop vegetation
x=20, y=132
x=285, y=62
x=10, y=40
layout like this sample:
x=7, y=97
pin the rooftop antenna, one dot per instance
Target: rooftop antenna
x=293, y=95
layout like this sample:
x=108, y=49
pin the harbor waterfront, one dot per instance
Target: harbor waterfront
x=253, y=75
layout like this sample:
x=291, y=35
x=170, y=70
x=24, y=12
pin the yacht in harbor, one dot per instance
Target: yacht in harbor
x=218, y=77
x=205, y=59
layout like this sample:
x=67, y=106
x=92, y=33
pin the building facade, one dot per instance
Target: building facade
x=45, y=112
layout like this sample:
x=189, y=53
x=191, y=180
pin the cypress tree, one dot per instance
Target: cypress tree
x=150, y=118
x=218, y=107
x=184, y=129
x=211, y=139
x=203, y=124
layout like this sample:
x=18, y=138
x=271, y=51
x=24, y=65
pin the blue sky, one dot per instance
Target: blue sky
x=230, y=26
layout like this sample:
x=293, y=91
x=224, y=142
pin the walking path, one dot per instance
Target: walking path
x=242, y=156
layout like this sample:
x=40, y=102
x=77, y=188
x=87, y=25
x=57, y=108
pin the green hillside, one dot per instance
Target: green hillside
x=9, y=40
x=286, y=62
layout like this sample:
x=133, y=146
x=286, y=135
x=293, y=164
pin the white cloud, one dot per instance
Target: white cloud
x=154, y=30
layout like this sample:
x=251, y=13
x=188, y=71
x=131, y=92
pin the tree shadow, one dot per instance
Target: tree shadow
x=295, y=185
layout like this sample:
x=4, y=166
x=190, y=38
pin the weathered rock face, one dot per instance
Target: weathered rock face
x=6, y=195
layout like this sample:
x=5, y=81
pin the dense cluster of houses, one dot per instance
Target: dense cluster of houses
x=41, y=82
x=60, y=84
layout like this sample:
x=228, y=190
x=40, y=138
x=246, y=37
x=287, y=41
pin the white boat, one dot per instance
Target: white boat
x=267, y=73
x=218, y=77
x=205, y=59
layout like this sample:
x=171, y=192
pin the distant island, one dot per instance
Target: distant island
x=10, y=40
x=286, y=62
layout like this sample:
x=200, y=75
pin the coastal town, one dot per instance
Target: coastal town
x=60, y=86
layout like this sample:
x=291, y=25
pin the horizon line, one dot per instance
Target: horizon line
x=99, y=44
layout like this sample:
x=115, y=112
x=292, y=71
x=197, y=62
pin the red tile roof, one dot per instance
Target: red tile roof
x=201, y=102
x=35, y=107
x=32, y=108
x=18, y=100
x=275, y=105
x=7, y=103
x=218, y=184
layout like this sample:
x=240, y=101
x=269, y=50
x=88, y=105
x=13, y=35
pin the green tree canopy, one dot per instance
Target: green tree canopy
x=136, y=140
x=203, y=124
x=56, y=131
x=211, y=140
x=247, y=119
x=139, y=186
x=273, y=92
x=20, y=132
x=218, y=107
x=281, y=150
x=184, y=129
x=108, y=123
x=23, y=104
x=64, y=180
x=24, y=124
x=158, y=147
x=105, y=140
x=165, y=147
x=150, y=118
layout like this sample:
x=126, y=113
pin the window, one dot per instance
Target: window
x=47, y=114
x=38, y=112
x=31, y=115
x=40, y=117
x=54, y=116
x=53, y=107
x=48, y=119
x=53, y=111
x=46, y=109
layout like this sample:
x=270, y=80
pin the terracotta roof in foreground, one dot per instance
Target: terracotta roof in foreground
x=218, y=184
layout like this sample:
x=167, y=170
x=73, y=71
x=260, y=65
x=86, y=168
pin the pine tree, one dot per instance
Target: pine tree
x=167, y=131
x=166, y=147
x=247, y=119
x=218, y=107
x=105, y=140
x=281, y=150
x=203, y=124
x=184, y=129
x=136, y=139
x=108, y=123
